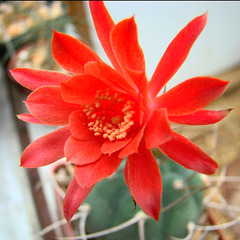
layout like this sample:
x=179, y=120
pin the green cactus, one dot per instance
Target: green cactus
x=111, y=205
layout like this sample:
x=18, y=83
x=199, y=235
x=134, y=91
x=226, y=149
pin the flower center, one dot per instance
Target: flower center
x=110, y=115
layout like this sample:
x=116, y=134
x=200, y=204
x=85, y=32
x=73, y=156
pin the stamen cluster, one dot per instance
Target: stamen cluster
x=110, y=116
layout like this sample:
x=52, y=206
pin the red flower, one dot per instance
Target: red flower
x=109, y=113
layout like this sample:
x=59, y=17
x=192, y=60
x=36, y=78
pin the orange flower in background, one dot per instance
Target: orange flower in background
x=107, y=114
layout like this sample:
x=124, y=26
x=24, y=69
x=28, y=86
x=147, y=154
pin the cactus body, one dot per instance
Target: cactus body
x=111, y=205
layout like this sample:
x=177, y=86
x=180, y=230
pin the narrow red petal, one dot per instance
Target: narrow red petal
x=201, y=117
x=189, y=155
x=176, y=54
x=33, y=79
x=47, y=105
x=46, y=149
x=81, y=89
x=143, y=178
x=88, y=175
x=82, y=152
x=103, y=24
x=26, y=117
x=140, y=79
x=111, y=147
x=191, y=95
x=132, y=147
x=109, y=76
x=74, y=197
x=70, y=53
x=158, y=130
x=124, y=41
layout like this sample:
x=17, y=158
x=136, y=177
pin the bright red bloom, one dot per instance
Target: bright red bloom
x=109, y=113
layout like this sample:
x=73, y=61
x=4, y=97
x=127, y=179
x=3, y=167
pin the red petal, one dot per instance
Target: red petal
x=70, y=53
x=26, y=117
x=140, y=79
x=109, y=76
x=189, y=155
x=141, y=102
x=46, y=104
x=124, y=41
x=201, y=117
x=82, y=152
x=81, y=89
x=132, y=147
x=74, y=197
x=143, y=179
x=46, y=149
x=191, y=95
x=176, y=54
x=32, y=78
x=158, y=130
x=87, y=175
x=103, y=24
x=78, y=127
x=111, y=147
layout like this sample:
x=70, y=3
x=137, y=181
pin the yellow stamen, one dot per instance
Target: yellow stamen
x=101, y=115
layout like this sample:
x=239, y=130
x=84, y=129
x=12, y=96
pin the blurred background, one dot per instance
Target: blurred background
x=27, y=197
